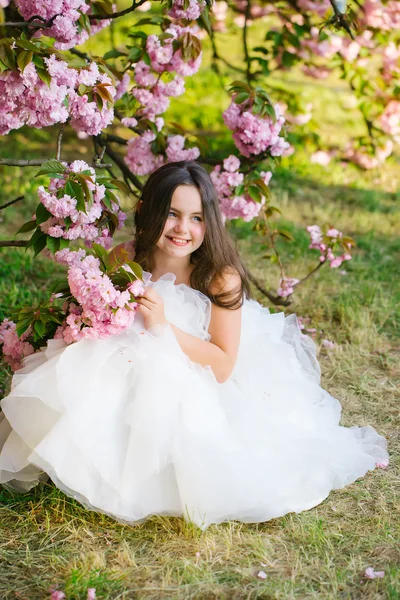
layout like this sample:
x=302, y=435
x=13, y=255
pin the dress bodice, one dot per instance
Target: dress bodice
x=185, y=307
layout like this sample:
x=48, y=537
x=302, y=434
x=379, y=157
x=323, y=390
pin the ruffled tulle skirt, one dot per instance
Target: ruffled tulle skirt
x=130, y=427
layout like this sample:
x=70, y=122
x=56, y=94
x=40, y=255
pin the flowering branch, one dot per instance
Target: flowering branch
x=276, y=300
x=37, y=162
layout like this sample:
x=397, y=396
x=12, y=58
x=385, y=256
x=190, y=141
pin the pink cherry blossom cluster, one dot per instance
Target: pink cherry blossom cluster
x=141, y=159
x=14, y=348
x=298, y=119
x=88, y=226
x=360, y=156
x=325, y=243
x=65, y=14
x=225, y=181
x=191, y=13
x=152, y=93
x=26, y=100
x=286, y=286
x=254, y=134
x=102, y=309
x=379, y=15
x=319, y=7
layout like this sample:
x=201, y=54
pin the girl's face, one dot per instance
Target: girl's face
x=184, y=228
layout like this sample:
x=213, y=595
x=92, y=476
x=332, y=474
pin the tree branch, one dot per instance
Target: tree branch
x=3, y=206
x=247, y=14
x=59, y=140
x=122, y=166
x=319, y=265
x=14, y=243
x=276, y=300
x=121, y=13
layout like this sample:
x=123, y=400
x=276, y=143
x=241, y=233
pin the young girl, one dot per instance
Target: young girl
x=207, y=407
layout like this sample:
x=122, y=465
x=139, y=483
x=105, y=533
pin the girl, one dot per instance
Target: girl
x=207, y=407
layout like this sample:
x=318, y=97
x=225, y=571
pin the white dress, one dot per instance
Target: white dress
x=130, y=427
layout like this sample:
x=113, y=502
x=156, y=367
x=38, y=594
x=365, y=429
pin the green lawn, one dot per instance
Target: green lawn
x=47, y=539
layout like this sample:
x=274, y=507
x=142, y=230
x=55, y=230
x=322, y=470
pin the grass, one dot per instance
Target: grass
x=48, y=539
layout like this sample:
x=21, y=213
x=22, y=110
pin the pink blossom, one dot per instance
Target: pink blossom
x=370, y=573
x=14, y=348
x=140, y=158
x=254, y=134
x=91, y=594
x=321, y=158
x=266, y=176
x=129, y=122
x=382, y=464
x=231, y=164
x=286, y=286
x=191, y=13
x=328, y=344
x=57, y=595
x=123, y=86
x=320, y=8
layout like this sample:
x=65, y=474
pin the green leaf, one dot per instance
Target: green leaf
x=53, y=244
x=102, y=254
x=286, y=234
x=39, y=328
x=113, y=54
x=37, y=234
x=42, y=214
x=239, y=190
x=254, y=193
x=7, y=55
x=27, y=227
x=121, y=185
x=44, y=75
x=24, y=58
x=134, y=54
x=261, y=49
x=74, y=189
x=26, y=44
x=51, y=166
x=20, y=329
x=138, y=34
x=88, y=193
x=241, y=97
x=63, y=243
x=136, y=268
x=40, y=244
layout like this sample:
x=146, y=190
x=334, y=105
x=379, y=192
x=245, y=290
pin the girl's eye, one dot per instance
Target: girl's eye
x=198, y=219
x=171, y=213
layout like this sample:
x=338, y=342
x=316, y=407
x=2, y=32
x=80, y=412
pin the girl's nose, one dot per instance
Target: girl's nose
x=181, y=225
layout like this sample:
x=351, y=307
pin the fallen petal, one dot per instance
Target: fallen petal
x=261, y=575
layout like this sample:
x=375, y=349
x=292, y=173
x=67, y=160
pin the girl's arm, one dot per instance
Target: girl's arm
x=221, y=351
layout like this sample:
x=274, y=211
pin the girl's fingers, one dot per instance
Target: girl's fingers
x=146, y=303
x=151, y=295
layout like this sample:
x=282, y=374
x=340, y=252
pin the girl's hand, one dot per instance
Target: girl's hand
x=152, y=308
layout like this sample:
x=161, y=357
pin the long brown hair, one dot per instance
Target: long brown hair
x=216, y=255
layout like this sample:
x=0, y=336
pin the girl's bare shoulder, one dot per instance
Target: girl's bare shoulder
x=124, y=251
x=226, y=281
